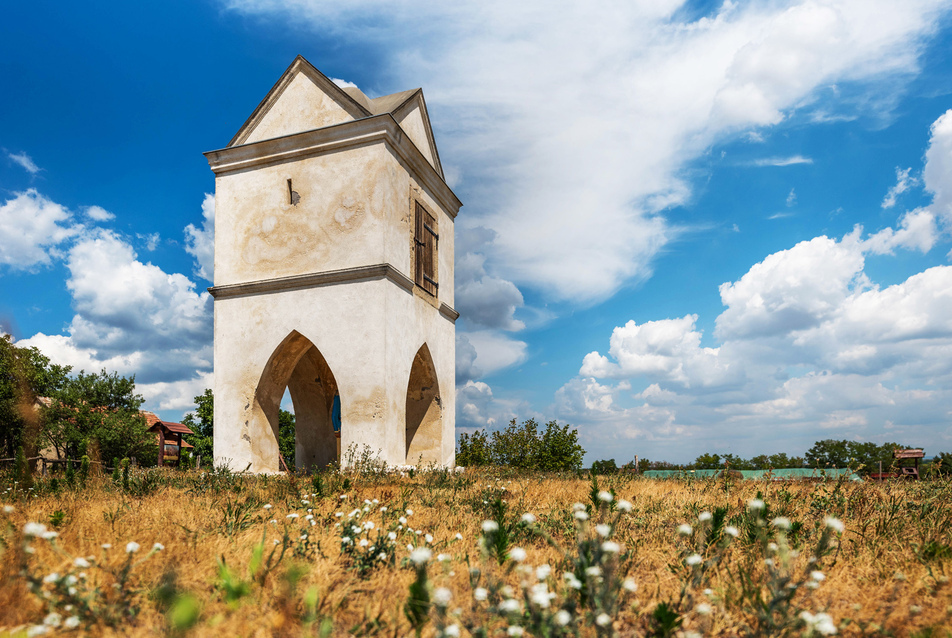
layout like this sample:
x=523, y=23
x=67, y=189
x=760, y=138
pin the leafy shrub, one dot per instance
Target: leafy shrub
x=524, y=447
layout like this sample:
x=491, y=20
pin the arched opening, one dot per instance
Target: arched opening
x=424, y=411
x=298, y=366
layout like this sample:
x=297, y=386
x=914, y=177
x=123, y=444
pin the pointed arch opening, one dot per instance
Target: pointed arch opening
x=298, y=366
x=424, y=411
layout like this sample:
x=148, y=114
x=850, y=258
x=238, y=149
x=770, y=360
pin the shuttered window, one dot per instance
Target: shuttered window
x=425, y=243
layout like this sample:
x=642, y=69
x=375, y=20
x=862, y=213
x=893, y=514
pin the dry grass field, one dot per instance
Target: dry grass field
x=455, y=554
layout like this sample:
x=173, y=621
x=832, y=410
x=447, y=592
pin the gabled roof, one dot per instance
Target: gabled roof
x=170, y=426
x=350, y=99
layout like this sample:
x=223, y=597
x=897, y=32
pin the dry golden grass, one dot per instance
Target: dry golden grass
x=889, y=573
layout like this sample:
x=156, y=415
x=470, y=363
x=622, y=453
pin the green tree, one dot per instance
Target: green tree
x=604, y=467
x=523, y=446
x=25, y=375
x=708, y=462
x=855, y=454
x=202, y=423
x=286, y=437
x=99, y=407
x=736, y=462
x=473, y=450
x=559, y=450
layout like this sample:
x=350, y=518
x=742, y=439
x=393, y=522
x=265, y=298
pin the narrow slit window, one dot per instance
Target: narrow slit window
x=293, y=197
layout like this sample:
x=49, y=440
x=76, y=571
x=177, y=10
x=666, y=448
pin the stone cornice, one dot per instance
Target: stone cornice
x=369, y=130
x=448, y=312
x=328, y=278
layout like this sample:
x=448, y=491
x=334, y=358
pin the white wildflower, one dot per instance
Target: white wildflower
x=834, y=524
x=8, y=509
x=51, y=578
x=490, y=526
x=630, y=585
x=429, y=538
x=542, y=572
x=81, y=562
x=703, y=608
x=369, y=525
x=685, y=530
x=539, y=595
x=403, y=520
x=293, y=515
x=611, y=547
x=268, y=506
x=132, y=547
x=364, y=542
x=755, y=504
x=603, y=620
x=594, y=571
x=693, y=559
x=34, y=529
x=623, y=506
x=817, y=575
x=781, y=522
x=158, y=547
x=37, y=630
x=603, y=530
x=605, y=497
x=52, y=619
x=106, y=545
x=452, y=631
x=562, y=618
x=442, y=596
x=409, y=512
x=528, y=518
x=392, y=536
x=704, y=516
x=820, y=623
x=480, y=594
x=442, y=557
x=458, y=536
x=71, y=623
x=577, y=507
x=514, y=630
x=730, y=530
x=509, y=605
x=517, y=554
x=420, y=555
x=581, y=515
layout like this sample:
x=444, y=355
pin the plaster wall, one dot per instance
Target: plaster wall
x=353, y=207
x=412, y=123
x=303, y=107
x=368, y=333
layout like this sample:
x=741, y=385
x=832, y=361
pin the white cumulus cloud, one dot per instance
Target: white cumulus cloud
x=200, y=242
x=33, y=228
x=577, y=124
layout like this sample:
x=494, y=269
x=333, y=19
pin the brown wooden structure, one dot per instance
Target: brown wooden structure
x=905, y=471
x=169, y=436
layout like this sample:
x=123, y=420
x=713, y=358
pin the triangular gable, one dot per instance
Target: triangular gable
x=412, y=117
x=303, y=99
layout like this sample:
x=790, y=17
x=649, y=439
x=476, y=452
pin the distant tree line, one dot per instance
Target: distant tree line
x=864, y=457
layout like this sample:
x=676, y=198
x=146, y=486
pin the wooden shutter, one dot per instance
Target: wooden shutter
x=426, y=243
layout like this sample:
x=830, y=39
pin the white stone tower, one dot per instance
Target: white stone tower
x=333, y=278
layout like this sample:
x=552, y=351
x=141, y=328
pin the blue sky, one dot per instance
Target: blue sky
x=687, y=227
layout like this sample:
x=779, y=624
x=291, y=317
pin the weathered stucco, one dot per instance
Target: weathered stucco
x=314, y=284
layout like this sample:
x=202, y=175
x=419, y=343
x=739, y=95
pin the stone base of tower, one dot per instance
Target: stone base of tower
x=378, y=344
